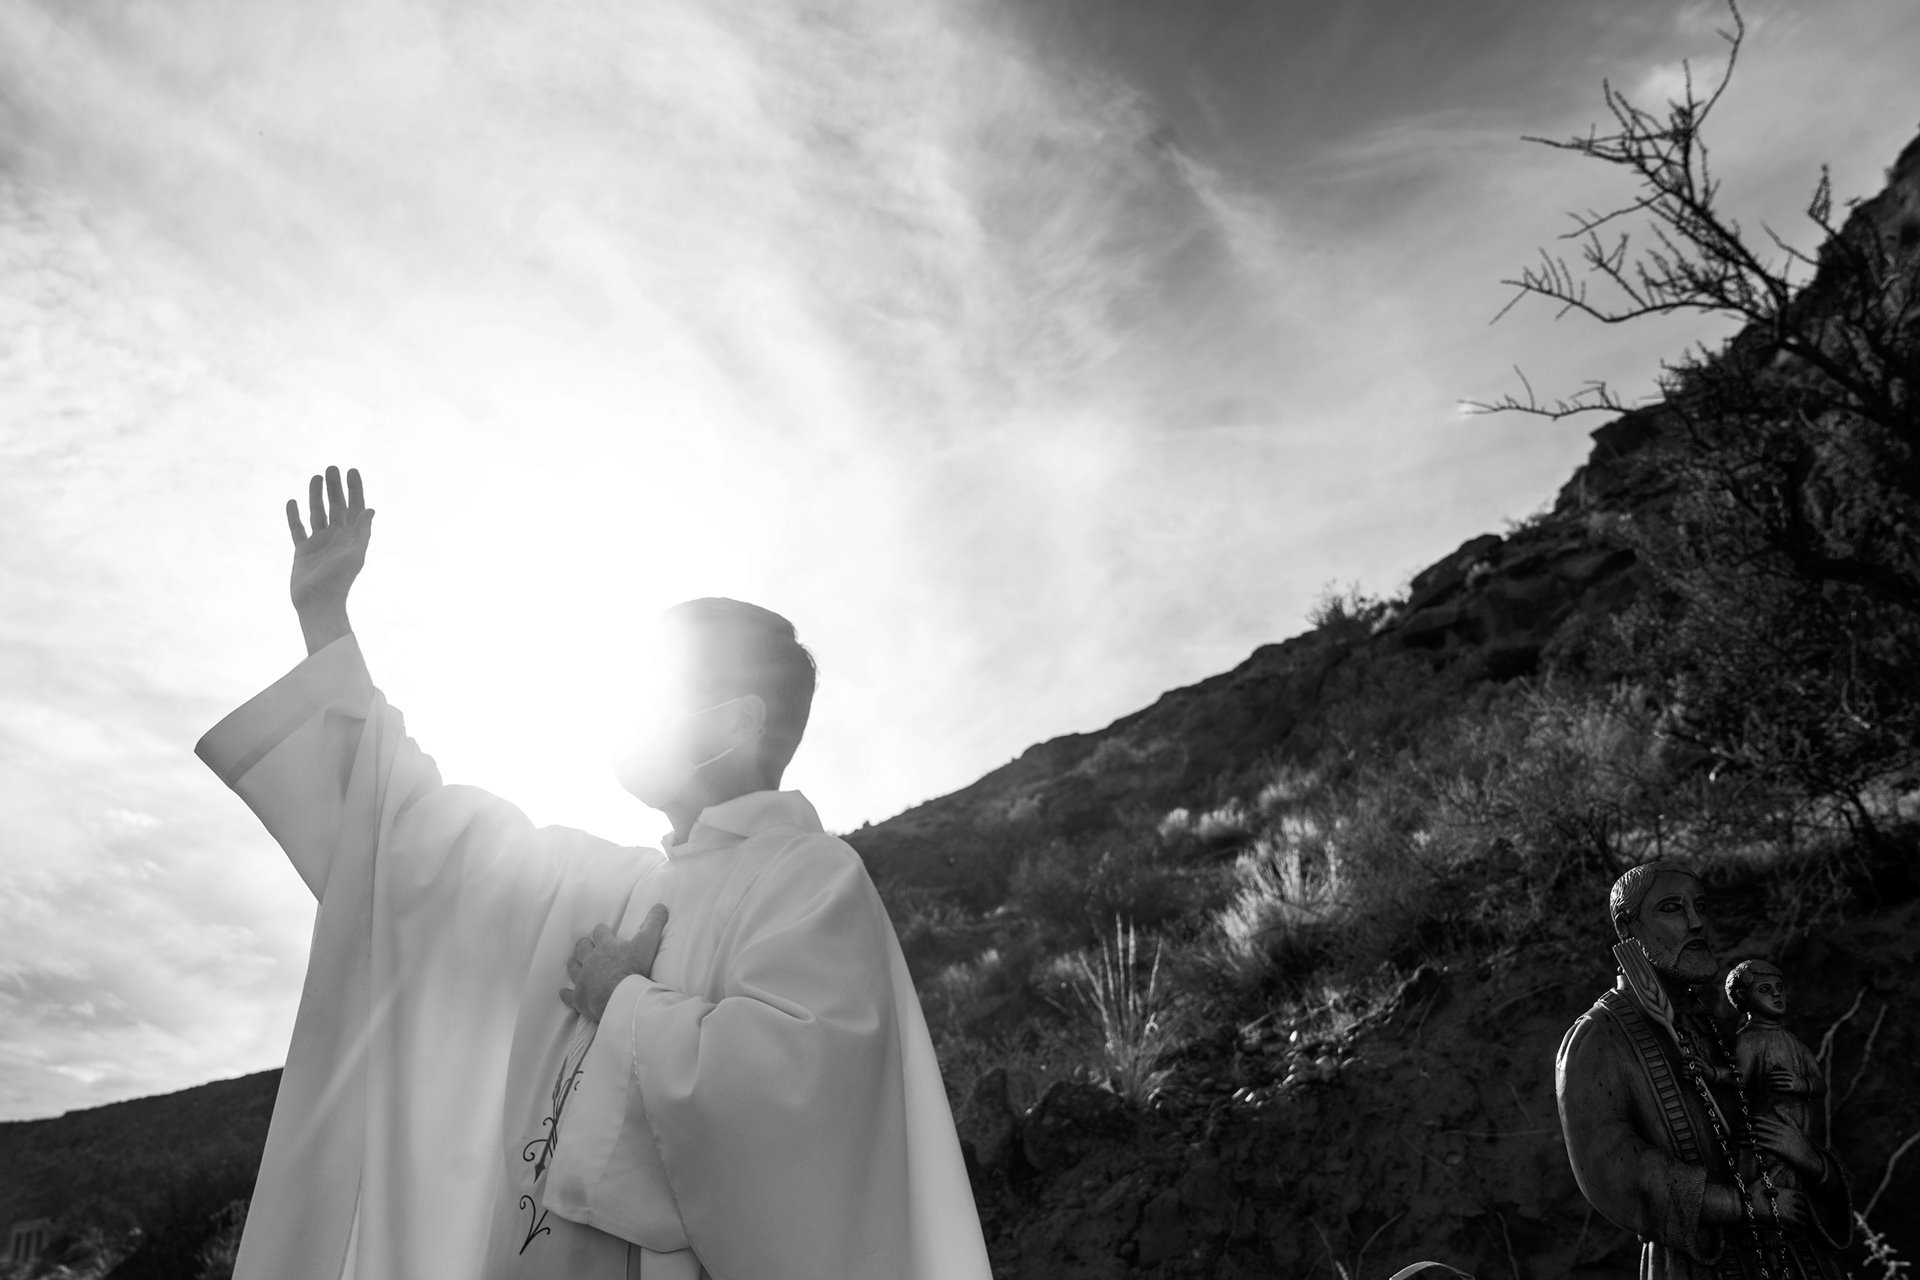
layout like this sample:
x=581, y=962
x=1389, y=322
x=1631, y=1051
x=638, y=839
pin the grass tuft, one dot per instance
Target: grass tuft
x=1134, y=1018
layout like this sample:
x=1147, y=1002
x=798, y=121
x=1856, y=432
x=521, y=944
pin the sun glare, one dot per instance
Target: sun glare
x=535, y=699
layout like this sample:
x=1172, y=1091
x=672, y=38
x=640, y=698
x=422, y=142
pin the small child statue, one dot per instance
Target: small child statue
x=1780, y=1075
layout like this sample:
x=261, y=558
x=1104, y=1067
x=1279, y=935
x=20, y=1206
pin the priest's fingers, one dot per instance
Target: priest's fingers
x=566, y=998
x=356, y=494
x=336, y=497
x=293, y=522
x=583, y=946
x=574, y=966
x=316, y=505
x=601, y=933
x=645, y=945
x=654, y=925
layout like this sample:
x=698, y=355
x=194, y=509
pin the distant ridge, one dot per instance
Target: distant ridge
x=136, y=1153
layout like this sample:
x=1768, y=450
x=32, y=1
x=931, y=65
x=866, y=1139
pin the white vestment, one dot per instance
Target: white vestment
x=766, y=1105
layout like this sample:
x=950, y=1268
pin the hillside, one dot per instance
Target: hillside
x=1367, y=870
x=1491, y=610
x=1372, y=859
x=155, y=1162
x=1487, y=612
x=1366, y=1124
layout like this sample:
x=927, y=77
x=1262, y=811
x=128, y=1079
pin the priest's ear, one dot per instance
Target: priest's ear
x=749, y=718
x=779, y=732
x=747, y=730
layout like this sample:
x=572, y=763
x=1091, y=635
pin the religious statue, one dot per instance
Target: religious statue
x=1660, y=1133
x=1780, y=1075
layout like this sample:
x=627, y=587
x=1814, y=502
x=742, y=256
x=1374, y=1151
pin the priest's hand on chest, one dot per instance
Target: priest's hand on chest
x=602, y=959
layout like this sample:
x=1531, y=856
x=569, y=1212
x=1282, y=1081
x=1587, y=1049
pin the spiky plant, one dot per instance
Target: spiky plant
x=1133, y=1016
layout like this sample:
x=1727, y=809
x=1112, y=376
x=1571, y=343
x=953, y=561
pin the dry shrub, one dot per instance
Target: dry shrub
x=933, y=930
x=1287, y=786
x=1489, y=825
x=1288, y=900
x=963, y=995
x=1076, y=886
x=1345, y=613
x=217, y=1255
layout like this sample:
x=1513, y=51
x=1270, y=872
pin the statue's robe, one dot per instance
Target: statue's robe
x=1643, y=1149
x=784, y=1116
x=1760, y=1049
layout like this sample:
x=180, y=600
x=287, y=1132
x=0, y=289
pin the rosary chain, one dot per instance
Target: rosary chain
x=1696, y=1070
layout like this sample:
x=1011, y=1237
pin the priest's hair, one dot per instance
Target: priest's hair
x=740, y=648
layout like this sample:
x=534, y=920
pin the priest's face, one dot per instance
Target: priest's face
x=662, y=765
x=1672, y=928
x=691, y=735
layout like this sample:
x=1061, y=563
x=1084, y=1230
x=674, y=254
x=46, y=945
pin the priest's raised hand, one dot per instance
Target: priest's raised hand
x=327, y=560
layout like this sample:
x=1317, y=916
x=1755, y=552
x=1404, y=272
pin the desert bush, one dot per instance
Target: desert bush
x=1401, y=885
x=934, y=931
x=960, y=998
x=1075, y=886
x=1344, y=613
x=217, y=1255
x=1287, y=785
x=1244, y=802
x=1134, y=1016
x=89, y=1239
x=1486, y=825
x=192, y=1212
x=1565, y=780
x=1287, y=900
x=1224, y=825
x=1116, y=754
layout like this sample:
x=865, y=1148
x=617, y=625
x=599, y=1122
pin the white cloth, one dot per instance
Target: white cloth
x=770, y=1098
x=434, y=1077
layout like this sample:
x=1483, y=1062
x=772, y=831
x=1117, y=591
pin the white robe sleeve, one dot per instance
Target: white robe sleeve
x=767, y=1129
x=431, y=901
x=287, y=752
x=291, y=751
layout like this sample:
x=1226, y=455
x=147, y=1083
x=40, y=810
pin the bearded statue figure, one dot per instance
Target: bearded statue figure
x=1662, y=1141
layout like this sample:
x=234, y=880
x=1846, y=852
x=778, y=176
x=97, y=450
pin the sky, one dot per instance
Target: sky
x=1033, y=356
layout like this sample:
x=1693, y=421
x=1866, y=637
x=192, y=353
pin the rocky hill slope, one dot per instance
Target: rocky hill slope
x=1428, y=1130
x=1350, y=1139
x=1488, y=611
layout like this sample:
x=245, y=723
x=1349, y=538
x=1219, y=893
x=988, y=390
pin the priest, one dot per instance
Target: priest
x=524, y=1051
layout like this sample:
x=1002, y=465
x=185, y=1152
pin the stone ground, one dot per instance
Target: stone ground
x=1428, y=1132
